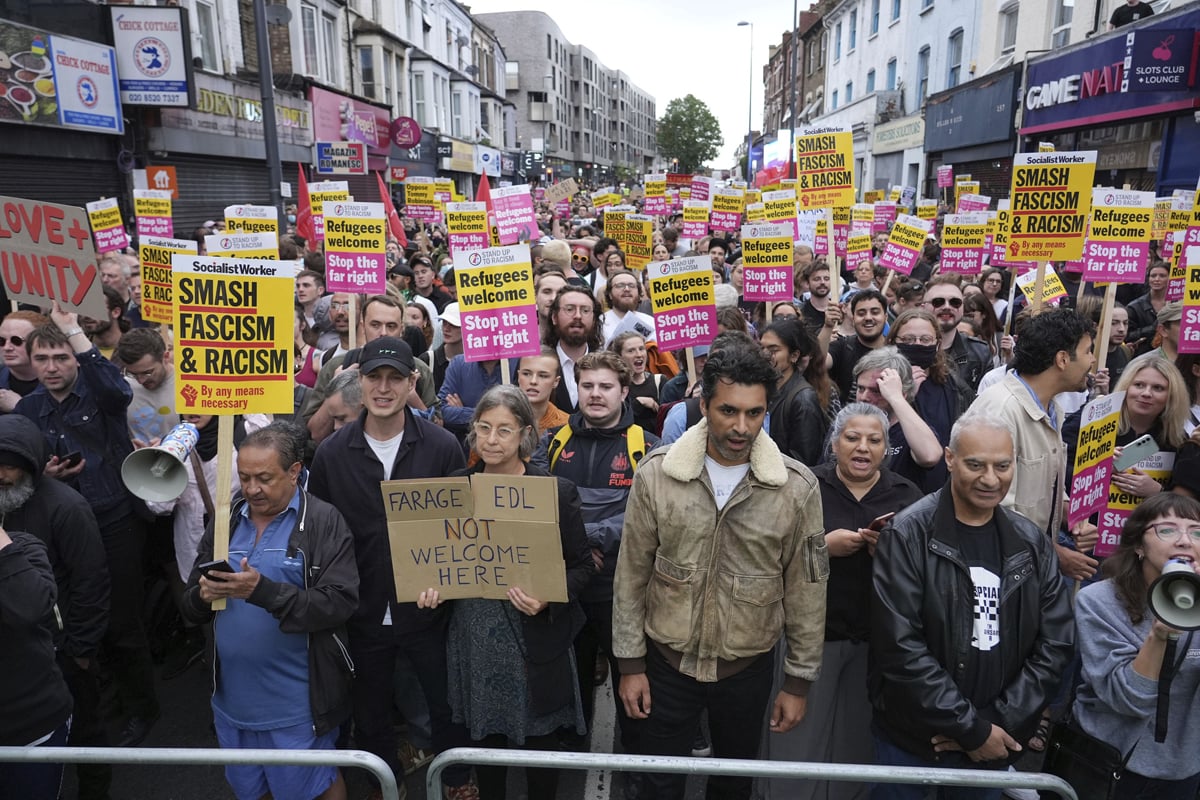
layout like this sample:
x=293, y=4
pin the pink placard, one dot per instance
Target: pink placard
x=725, y=221
x=154, y=226
x=768, y=284
x=110, y=239
x=656, y=206
x=945, y=176
x=501, y=333
x=962, y=260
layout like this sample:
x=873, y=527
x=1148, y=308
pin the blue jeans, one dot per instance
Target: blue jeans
x=36, y=781
x=887, y=752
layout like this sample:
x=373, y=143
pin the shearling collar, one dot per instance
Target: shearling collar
x=684, y=460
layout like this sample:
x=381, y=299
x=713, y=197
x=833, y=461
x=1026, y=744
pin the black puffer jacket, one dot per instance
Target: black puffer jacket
x=798, y=423
x=922, y=619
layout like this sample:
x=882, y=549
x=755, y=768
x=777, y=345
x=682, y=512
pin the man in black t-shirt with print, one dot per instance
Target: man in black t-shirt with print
x=1129, y=12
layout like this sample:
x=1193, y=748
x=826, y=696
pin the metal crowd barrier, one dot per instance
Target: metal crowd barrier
x=983, y=779
x=208, y=756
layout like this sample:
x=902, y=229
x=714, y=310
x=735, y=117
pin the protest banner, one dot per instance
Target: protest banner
x=1052, y=287
x=1050, y=202
x=1178, y=278
x=419, y=202
x=1189, y=327
x=1180, y=218
x=961, y=188
x=604, y=198
x=872, y=196
x=233, y=321
x=563, y=190
x=497, y=303
x=767, y=265
x=444, y=192
x=683, y=301
x=821, y=233
x=355, y=242
x=1093, y=466
x=1121, y=504
x=695, y=219
x=475, y=537
x=781, y=208
x=885, y=213
x=251, y=219
x=155, y=254
x=862, y=217
x=323, y=192
x=727, y=206
x=655, y=201
x=825, y=167
x=756, y=212
x=46, y=254
x=927, y=209
x=963, y=238
x=702, y=188
x=972, y=202
x=107, y=225
x=639, y=240
x=1118, y=242
x=515, y=217
x=858, y=249
x=467, y=226
x=945, y=176
x=905, y=244
x=152, y=213
x=242, y=245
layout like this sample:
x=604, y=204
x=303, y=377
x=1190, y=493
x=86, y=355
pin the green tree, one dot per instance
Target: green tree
x=689, y=132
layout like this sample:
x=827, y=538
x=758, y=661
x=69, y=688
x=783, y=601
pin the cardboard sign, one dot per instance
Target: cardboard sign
x=767, y=263
x=945, y=176
x=639, y=241
x=1094, y=452
x=515, y=216
x=1120, y=505
x=905, y=244
x=1051, y=200
x=107, y=225
x=727, y=205
x=655, y=200
x=497, y=303
x=320, y=193
x=419, y=202
x=695, y=219
x=253, y=219
x=155, y=254
x=1052, y=286
x=1118, y=243
x=242, y=245
x=466, y=226
x=46, y=254
x=152, y=213
x=684, y=302
x=233, y=335
x=563, y=190
x=475, y=537
x=825, y=167
x=963, y=239
x=355, y=242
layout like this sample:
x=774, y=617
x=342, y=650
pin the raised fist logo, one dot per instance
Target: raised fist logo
x=189, y=394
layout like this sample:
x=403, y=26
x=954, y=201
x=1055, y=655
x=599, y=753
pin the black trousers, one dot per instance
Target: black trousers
x=736, y=706
x=542, y=784
x=374, y=655
x=126, y=650
x=87, y=727
x=594, y=637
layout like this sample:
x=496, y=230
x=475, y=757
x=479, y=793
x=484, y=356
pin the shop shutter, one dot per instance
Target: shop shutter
x=66, y=181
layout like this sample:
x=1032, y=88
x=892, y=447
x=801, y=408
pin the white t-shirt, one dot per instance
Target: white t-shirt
x=724, y=479
x=385, y=450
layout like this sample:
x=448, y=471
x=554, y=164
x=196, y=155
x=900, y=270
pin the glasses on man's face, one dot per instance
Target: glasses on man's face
x=503, y=433
x=580, y=311
x=1170, y=533
x=938, y=302
x=623, y=285
x=342, y=305
x=923, y=340
x=17, y=341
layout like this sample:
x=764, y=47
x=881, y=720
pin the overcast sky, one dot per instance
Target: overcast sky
x=671, y=48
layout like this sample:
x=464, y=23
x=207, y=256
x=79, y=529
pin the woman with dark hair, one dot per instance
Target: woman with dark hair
x=512, y=679
x=644, y=386
x=417, y=316
x=800, y=409
x=979, y=310
x=941, y=398
x=1143, y=312
x=781, y=309
x=1123, y=646
x=992, y=284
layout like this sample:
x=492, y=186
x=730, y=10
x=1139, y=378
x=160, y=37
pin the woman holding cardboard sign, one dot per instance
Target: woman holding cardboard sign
x=514, y=655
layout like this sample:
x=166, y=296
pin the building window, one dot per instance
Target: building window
x=549, y=47
x=833, y=100
x=895, y=10
x=954, y=52
x=1008, y=28
x=849, y=92
x=416, y=90
x=891, y=75
x=210, y=49
x=837, y=43
x=870, y=81
x=875, y=16
x=926, y=4
x=329, y=48
x=853, y=30
x=366, y=66
x=308, y=23
x=456, y=115
x=824, y=44
x=1064, y=11
x=923, y=73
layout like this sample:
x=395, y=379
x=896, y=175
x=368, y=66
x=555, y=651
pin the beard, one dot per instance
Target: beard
x=574, y=338
x=17, y=494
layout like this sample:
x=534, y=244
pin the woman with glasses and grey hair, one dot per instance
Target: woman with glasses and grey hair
x=512, y=678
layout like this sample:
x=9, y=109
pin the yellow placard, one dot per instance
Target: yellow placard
x=858, y=248
x=863, y=214
x=873, y=196
x=252, y=219
x=964, y=187
x=639, y=241
x=1162, y=217
x=756, y=212
x=105, y=217
x=154, y=254
x=695, y=213
x=780, y=205
x=1049, y=205
x=242, y=245
x=416, y=193
x=151, y=203
x=1120, y=216
x=656, y=187
x=1052, y=285
x=927, y=209
x=753, y=196
x=331, y=191
x=233, y=320
x=825, y=167
x=767, y=245
x=964, y=236
x=614, y=224
x=466, y=218
x=729, y=201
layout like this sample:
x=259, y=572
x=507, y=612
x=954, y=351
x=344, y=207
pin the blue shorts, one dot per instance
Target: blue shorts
x=250, y=782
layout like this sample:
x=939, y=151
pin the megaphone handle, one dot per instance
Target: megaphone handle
x=1166, y=675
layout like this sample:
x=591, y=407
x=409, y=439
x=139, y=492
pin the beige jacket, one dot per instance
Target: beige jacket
x=717, y=587
x=1041, y=455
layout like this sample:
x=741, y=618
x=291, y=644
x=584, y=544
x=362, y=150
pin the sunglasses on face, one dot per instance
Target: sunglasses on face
x=938, y=302
x=579, y=259
x=16, y=340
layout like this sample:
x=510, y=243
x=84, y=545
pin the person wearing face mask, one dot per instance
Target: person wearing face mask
x=940, y=395
x=969, y=357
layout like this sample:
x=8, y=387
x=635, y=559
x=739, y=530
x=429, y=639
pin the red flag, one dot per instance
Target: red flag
x=304, y=218
x=394, y=224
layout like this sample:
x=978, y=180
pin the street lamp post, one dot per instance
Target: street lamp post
x=750, y=108
x=792, y=86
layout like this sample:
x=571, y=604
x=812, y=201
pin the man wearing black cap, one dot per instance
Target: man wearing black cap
x=388, y=442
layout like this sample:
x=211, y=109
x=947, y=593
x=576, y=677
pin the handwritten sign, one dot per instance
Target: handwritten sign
x=497, y=303
x=155, y=254
x=1094, y=452
x=355, y=242
x=684, y=302
x=253, y=219
x=107, y=225
x=825, y=167
x=563, y=190
x=152, y=212
x=46, y=254
x=905, y=244
x=475, y=537
x=233, y=335
x=1051, y=200
x=767, y=263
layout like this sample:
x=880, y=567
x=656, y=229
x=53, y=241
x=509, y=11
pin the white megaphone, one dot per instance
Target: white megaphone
x=158, y=473
x=1175, y=596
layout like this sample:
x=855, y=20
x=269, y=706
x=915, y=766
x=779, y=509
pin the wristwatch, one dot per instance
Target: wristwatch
x=73, y=331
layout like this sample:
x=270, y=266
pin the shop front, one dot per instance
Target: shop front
x=1131, y=95
x=338, y=117
x=456, y=160
x=898, y=151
